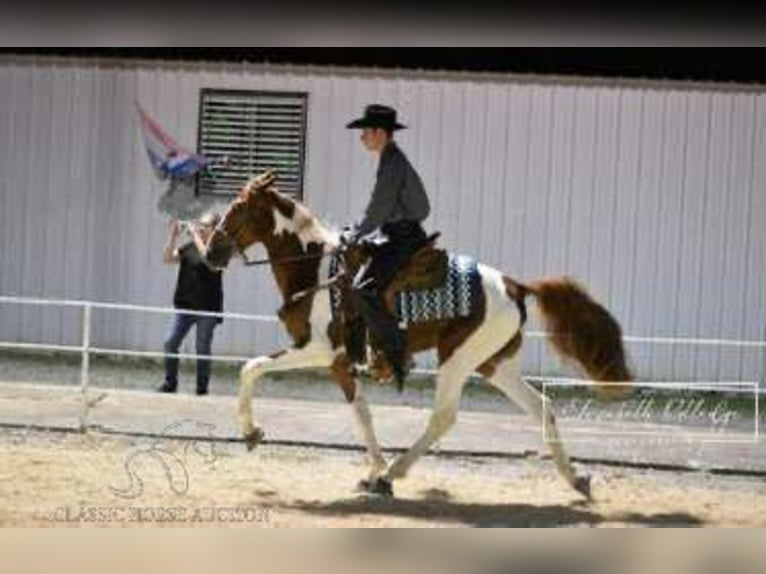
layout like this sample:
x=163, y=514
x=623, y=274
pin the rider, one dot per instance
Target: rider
x=397, y=207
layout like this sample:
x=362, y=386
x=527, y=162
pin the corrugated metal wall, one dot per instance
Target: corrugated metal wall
x=653, y=196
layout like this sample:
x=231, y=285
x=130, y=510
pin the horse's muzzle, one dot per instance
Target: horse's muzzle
x=219, y=251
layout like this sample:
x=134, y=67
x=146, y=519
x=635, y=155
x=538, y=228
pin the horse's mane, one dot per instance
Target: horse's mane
x=306, y=223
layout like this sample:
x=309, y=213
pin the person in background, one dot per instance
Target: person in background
x=198, y=288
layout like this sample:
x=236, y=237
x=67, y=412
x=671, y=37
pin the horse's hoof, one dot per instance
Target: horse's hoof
x=382, y=487
x=253, y=438
x=379, y=487
x=582, y=485
x=363, y=485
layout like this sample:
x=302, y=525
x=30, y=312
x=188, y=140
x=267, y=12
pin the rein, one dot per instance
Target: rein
x=250, y=263
x=301, y=294
x=266, y=261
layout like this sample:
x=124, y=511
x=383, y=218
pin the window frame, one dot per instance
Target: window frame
x=298, y=95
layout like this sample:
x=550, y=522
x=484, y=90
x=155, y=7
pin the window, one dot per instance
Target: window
x=255, y=131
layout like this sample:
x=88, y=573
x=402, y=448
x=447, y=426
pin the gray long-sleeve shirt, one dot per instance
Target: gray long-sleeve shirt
x=398, y=194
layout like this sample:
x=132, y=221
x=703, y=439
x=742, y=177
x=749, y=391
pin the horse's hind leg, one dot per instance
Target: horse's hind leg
x=462, y=347
x=507, y=378
x=449, y=385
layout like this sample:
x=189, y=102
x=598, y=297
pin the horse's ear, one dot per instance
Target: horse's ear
x=250, y=188
x=261, y=182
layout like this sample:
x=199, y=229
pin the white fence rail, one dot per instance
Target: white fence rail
x=86, y=349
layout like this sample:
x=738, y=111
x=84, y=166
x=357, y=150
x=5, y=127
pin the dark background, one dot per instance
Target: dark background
x=718, y=65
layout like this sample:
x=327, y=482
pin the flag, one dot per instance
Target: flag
x=178, y=166
x=169, y=159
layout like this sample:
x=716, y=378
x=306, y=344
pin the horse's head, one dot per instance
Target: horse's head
x=248, y=220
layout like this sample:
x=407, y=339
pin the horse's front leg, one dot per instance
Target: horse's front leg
x=295, y=358
x=343, y=372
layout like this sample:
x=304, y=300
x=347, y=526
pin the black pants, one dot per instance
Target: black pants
x=404, y=238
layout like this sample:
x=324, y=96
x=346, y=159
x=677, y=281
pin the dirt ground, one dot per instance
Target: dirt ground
x=53, y=479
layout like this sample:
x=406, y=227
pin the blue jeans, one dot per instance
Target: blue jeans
x=182, y=323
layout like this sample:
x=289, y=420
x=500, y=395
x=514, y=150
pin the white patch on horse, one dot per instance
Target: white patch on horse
x=498, y=300
x=331, y=238
x=303, y=225
x=501, y=322
x=321, y=312
x=283, y=224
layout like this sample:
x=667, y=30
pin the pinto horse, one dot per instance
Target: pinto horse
x=487, y=342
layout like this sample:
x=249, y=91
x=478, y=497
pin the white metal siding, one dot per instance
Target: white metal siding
x=654, y=197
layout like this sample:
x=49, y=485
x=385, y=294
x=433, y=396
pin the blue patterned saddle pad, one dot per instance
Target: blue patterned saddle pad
x=456, y=298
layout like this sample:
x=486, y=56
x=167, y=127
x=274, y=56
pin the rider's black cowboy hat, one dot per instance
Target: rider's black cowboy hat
x=377, y=116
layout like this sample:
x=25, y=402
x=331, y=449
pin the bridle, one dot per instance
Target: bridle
x=231, y=237
x=282, y=260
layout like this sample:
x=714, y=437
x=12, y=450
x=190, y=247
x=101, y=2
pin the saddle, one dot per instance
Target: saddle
x=427, y=268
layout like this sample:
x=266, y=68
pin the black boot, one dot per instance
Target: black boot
x=356, y=340
x=396, y=353
x=168, y=387
x=387, y=333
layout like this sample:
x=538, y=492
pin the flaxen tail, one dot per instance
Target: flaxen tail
x=582, y=330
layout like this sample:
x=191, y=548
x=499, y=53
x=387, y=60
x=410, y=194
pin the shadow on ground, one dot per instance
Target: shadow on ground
x=439, y=508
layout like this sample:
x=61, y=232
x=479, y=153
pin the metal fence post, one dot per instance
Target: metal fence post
x=85, y=369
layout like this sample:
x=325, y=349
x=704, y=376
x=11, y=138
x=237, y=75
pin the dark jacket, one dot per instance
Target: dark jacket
x=398, y=195
x=198, y=287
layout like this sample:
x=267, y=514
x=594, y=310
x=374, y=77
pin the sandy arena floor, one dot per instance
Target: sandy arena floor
x=51, y=479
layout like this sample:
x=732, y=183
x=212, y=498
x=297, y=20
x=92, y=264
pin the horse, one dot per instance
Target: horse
x=487, y=341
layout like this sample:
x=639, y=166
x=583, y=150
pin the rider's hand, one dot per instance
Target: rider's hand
x=348, y=236
x=175, y=228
